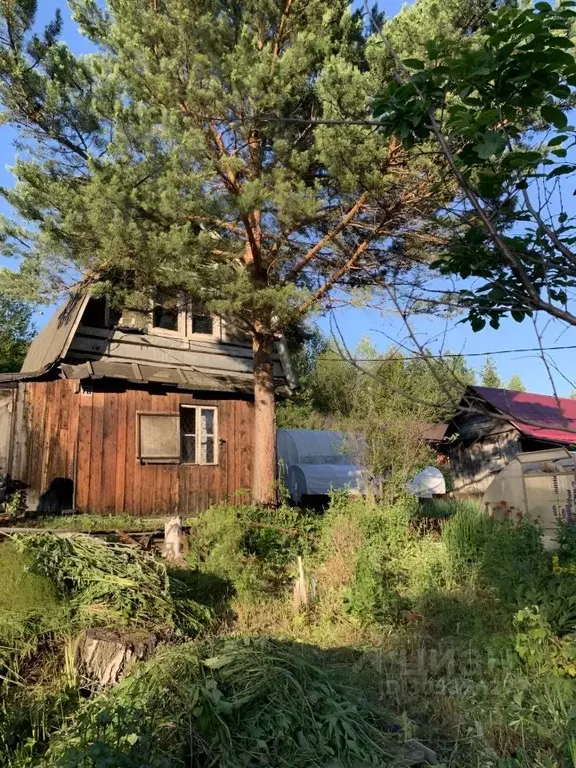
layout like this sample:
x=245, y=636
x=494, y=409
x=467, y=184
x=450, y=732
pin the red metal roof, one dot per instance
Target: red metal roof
x=542, y=417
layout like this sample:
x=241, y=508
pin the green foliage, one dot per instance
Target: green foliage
x=112, y=584
x=489, y=374
x=237, y=702
x=500, y=99
x=151, y=163
x=516, y=384
x=372, y=539
x=253, y=548
x=507, y=556
x=27, y=599
x=16, y=332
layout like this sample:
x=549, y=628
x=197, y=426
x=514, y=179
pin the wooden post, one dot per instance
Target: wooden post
x=173, y=539
x=300, y=595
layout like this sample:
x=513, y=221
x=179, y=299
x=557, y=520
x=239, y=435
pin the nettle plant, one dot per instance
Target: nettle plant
x=498, y=104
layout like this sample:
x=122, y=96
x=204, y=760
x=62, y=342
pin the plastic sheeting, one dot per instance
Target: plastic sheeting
x=320, y=479
x=430, y=482
x=313, y=462
x=313, y=446
x=539, y=484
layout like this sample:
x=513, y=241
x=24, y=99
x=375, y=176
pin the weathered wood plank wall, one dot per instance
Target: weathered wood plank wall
x=60, y=432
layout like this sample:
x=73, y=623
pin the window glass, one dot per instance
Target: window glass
x=188, y=435
x=202, y=324
x=207, y=448
x=166, y=311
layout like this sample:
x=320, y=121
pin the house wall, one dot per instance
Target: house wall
x=475, y=462
x=62, y=435
x=6, y=409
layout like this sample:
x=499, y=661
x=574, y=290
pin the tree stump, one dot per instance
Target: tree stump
x=103, y=656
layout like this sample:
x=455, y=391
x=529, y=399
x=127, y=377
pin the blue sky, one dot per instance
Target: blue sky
x=383, y=328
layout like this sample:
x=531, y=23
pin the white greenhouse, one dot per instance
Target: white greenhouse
x=312, y=462
x=539, y=485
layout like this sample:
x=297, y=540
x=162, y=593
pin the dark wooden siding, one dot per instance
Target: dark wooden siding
x=90, y=439
x=474, y=464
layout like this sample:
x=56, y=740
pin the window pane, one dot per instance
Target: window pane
x=166, y=309
x=188, y=435
x=188, y=448
x=207, y=450
x=207, y=422
x=202, y=324
x=165, y=317
x=188, y=421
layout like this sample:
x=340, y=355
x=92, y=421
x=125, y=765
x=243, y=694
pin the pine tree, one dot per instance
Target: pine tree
x=181, y=155
x=16, y=332
x=516, y=384
x=489, y=374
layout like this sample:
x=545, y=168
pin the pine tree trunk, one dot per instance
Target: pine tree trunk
x=264, y=479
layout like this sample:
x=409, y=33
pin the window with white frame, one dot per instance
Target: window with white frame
x=187, y=437
x=172, y=315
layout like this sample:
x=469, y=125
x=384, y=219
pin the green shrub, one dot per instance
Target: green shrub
x=380, y=537
x=252, y=547
x=443, y=509
x=507, y=556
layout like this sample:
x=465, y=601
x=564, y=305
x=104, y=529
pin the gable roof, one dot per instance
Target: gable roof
x=542, y=417
x=52, y=342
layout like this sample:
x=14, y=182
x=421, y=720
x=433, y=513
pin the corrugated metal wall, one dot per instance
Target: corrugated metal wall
x=62, y=433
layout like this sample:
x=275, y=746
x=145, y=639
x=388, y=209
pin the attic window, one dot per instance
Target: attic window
x=166, y=312
x=95, y=315
x=202, y=324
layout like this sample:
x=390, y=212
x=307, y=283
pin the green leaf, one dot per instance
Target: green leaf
x=554, y=115
x=561, y=170
x=561, y=92
x=563, y=217
x=520, y=159
x=493, y=144
x=518, y=315
x=477, y=323
x=413, y=63
x=544, y=7
x=560, y=139
x=487, y=116
x=215, y=662
x=559, y=152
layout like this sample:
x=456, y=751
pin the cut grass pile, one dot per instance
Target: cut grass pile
x=113, y=584
x=230, y=704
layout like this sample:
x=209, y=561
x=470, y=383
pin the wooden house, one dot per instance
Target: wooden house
x=492, y=425
x=143, y=413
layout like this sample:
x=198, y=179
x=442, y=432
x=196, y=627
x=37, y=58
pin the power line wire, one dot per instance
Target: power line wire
x=451, y=354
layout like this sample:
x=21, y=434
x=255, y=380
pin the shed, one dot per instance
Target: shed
x=139, y=412
x=491, y=426
x=536, y=484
